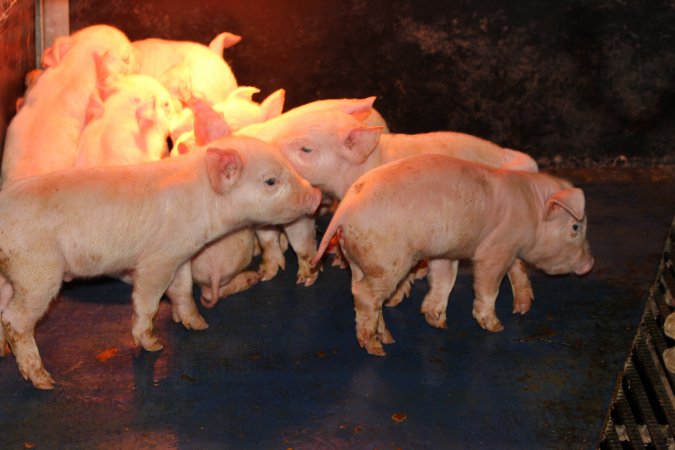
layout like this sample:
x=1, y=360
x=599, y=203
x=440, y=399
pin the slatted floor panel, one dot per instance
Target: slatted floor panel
x=642, y=414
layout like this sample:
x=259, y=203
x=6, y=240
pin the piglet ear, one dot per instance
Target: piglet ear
x=107, y=73
x=569, y=200
x=178, y=81
x=359, y=108
x=273, y=105
x=54, y=54
x=95, y=108
x=224, y=168
x=360, y=142
x=209, y=123
x=146, y=113
x=245, y=93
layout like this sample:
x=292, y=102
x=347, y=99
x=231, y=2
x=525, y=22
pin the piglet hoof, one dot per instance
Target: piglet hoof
x=385, y=337
x=489, y=322
x=394, y=300
x=196, y=322
x=399, y=295
x=307, y=273
x=371, y=343
x=206, y=302
x=37, y=375
x=307, y=279
x=42, y=380
x=523, y=302
x=374, y=347
x=436, y=320
x=149, y=342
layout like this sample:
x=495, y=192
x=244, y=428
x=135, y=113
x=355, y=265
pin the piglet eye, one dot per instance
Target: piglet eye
x=271, y=181
x=306, y=149
x=575, y=227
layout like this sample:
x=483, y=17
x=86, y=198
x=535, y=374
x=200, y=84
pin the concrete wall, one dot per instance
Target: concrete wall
x=17, y=54
x=580, y=81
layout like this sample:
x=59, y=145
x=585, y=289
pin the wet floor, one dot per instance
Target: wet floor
x=280, y=367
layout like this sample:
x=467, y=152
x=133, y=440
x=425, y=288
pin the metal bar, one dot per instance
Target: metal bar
x=655, y=374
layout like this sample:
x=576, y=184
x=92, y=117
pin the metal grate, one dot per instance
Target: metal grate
x=642, y=415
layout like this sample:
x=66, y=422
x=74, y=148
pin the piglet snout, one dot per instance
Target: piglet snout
x=585, y=266
x=313, y=200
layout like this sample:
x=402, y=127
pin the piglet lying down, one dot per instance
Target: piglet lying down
x=445, y=209
x=147, y=220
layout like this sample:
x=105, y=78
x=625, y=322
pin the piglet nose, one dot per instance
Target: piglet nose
x=585, y=267
x=313, y=200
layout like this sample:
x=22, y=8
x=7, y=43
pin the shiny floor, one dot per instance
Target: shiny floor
x=280, y=367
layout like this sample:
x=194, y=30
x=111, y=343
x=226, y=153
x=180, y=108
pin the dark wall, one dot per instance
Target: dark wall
x=589, y=80
x=17, y=54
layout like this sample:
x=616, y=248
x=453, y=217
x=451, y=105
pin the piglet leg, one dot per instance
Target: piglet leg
x=272, y=253
x=302, y=237
x=150, y=282
x=442, y=277
x=487, y=277
x=18, y=323
x=521, y=287
x=371, y=331
x=183, y=308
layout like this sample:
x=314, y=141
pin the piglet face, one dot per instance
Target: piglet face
x=563, y=244
x=264, y=186
x=326, y=146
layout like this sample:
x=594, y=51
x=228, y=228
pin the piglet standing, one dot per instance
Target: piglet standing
x=58, y=227
x=446, y=210
x=331, y=147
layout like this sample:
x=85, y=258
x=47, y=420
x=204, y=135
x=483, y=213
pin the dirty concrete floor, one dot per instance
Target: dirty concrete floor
x=279, y=366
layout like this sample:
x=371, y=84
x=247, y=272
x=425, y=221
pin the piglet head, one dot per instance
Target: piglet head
x=209, y=124
x=258, y=182
x=563, y=247
x=325, y=147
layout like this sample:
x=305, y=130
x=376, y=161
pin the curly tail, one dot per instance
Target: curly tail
x=333, y=228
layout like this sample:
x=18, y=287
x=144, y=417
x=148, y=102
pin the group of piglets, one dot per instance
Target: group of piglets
x=146, y=161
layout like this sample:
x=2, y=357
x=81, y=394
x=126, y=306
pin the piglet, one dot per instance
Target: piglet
x=238, y=110
x=131, y=219
x=188, y=69
x=44, y=134
x=128, y=123
x=331, y=148
x=220, y=269
x=445, y=209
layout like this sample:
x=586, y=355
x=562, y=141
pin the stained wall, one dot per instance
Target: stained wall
x=17, y=54
x=576, y=82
